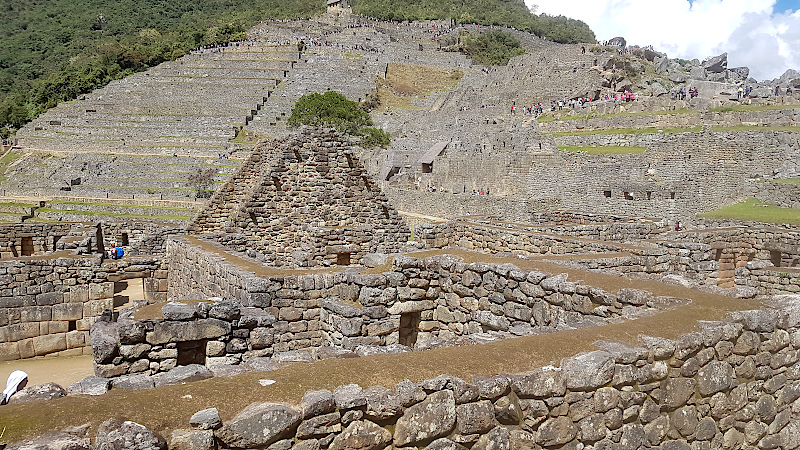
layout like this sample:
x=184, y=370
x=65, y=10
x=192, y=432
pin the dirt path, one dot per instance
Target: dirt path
x=171, y=407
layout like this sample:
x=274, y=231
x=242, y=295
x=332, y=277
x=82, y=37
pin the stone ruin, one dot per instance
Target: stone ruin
x=303, y=202
x=303, y=254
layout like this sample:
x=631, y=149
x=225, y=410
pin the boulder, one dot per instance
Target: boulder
x=207, y=419
x=177, y=311
x=382, y=403
x=588, y=370
x=316, y=403
x=497, y=439
x=545, y=382
x=475, y=418
x=374, y=259
x=91, y=385
x=556, y=431
x=716, y=376
x=491, y=321
x=47, y=391
x=104, y=336
x=192, y=440
x=618, y=41
x=362, y=435
x=320, y=426
x=444, y=444
x=134, y=381
x=56, y=440
x=184, y=374
x=196, y=330
x=432, y=418
x=716, y=64
x=261, y=364
x=349, y=396
x=121, y=434
x=259, y=425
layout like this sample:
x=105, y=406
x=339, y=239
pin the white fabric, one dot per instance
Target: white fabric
x=13, y=382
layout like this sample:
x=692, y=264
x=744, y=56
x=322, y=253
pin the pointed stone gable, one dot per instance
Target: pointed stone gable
x=301, y=202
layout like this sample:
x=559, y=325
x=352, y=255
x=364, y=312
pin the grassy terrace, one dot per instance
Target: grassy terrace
x=111, y=205
x=551, y=118
x=5, y=160
x=609, y=150
x=109, y=214
x=787, y=181
x=654, y=130
x=754, y=210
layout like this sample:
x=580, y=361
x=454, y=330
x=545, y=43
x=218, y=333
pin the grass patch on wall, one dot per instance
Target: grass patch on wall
x=756, y=211
x=624, y=114
x=405, y=83
x=609, y=150
x=756, y=128
x=753, y=108
x=651, y=130
x=5, y=161
x=786, y=181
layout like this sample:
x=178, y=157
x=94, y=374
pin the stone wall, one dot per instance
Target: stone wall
x=47, y=305
x=419, y=301
x=30, y=239
x=731, y=384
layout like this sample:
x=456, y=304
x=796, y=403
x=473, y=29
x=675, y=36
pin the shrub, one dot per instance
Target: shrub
x=493, y=48
x=333, y=109
x=201, y=181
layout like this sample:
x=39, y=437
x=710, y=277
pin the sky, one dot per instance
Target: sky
x=763, y=35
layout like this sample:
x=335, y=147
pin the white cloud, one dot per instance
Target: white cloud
x=753, y=36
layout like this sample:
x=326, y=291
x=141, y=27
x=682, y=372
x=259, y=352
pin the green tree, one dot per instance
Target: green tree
x=333, y=109
x=493, y=48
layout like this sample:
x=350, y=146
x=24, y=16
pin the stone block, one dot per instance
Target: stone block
x=36, y=314
x=68, y=311
x=20, y=331
x=50, y=343
x=94, y=308
x=77, y=339
x=86, y=324
x=26, y=349
x=9, y=351
x=54, y=327
x=101, y=290
x=78, y=294
x=49, y=298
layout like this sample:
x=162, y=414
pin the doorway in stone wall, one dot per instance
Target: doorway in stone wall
x=409, y=327
x=192, y=352
x=343, y=259
x=128, y=291
x=27, y=246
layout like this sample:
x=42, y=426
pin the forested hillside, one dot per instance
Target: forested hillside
x=55, y=50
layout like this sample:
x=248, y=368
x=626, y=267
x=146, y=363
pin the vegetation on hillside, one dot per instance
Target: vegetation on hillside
x=333, y=109
x=511, y=13
x=405, y=83
x=493, y=48
x=57, y=50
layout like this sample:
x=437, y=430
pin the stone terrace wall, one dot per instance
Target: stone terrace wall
x=733, y=384
x=775, y=118
x=472, y=235
x=43, y=238
x=419, y=300
x=48, y=305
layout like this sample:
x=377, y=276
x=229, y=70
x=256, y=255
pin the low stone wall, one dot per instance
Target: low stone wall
x=732, y=384
x=48, y=305
x=493, y=239
x=419, y=300
x=34, y=239
x=691, y=260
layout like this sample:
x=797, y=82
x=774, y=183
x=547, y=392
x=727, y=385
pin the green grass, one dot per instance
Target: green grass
x=5, y=161
x=624, y=114
x=111, y=205
x=787, y=181
x=108, y=214
x=756, y=211
x=19, y=205
x=654, y=130
x=609, y=150
x=753, y=108
x=649, y=130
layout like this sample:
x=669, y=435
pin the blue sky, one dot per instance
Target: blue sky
x=763, y=35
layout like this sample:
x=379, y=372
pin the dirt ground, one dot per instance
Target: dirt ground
x=170, y=407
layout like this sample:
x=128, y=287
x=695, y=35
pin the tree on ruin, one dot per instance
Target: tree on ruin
x=333, y=109
x=202, y=181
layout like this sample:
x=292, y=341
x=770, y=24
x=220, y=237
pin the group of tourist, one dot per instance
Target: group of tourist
x=681, y=93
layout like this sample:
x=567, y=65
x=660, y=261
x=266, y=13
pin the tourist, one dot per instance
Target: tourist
x=16, y=382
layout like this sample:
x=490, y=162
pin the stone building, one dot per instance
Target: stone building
x=302, y=202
